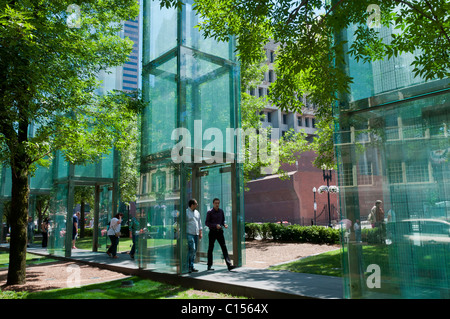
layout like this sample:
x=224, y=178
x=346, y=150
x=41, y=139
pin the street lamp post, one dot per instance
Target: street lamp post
x=327, y=176
x=315, y=205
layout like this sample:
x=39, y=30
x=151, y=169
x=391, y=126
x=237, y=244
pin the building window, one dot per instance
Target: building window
x=284, y=118
x=261, y=91
x=364, y=176
x=272, y=56
x=347, y=174
x=306, y=121
x=412, y=128
x=395, y=172
x=392, y=133
x=299, y=121
x=271, y=76
x=313, y=122
x=269, y=117
x=417, y=172
x=144, y=184
x=262, y=116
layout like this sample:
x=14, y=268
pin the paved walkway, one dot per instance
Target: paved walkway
x=243, y=281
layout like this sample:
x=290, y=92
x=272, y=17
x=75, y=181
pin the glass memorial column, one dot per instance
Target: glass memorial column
x=103, y=175
x=189, y=149
x=392, y=145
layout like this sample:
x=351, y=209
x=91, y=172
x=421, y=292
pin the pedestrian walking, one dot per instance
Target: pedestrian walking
x=194, y=232
x=215, y=221
x=114, y=235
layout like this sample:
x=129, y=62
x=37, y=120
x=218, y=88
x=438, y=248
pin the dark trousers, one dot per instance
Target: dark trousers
x=133, y=248
x=213, y=236
x=114, y=243
x=44, y=239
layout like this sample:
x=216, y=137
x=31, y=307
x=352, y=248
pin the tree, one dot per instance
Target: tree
x=42, y=206
x=310, y=58
x=287, y=147
x=49, y=67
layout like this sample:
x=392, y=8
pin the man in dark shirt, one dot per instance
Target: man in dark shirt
x=215, y=220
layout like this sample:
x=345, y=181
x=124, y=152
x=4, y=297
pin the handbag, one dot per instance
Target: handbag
x=117, y=234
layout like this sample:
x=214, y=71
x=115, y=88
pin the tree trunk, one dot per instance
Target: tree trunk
x=18, y=219
x=20, y=165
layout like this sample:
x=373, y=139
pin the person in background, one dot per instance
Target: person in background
x=114, y=235
x=76, y=219
x=377, y=214
x=44, y=229
x=194, y=232
x=30, y=231
x=134, y=229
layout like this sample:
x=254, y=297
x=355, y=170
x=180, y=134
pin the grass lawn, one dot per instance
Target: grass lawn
x=31, y=259
x=141, y=289
x=328, y=263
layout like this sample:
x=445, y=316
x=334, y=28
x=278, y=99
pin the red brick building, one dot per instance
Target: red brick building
x=271, y=199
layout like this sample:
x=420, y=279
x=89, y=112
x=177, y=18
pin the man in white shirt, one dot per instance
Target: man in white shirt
x=194, y=232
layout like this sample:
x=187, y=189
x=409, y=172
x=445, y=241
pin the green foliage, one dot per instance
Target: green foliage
x=51, y=83
x=48, y=99
x=311, y=61
x=293, y=233
x=13, y=294
x=288, y=146
x=375, y=235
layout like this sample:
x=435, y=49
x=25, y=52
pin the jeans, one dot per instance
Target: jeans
x=192, y=245
x=114, y=243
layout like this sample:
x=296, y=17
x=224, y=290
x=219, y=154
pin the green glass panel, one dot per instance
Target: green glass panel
x=42, y=179
x=194, y=39
x=159, y=118
x=377, y=77
x=209, y=104
x=162, y=32
x=392, y=145
x=103, y=168
x=158, y=210
x=88, y=170
x=105, y=215
x=3, y=230
x=190, y=84
x=107, y=162
x=404, y=162
x=57, y=231
x=6, y=182
x=216, y=183
x=62, y=167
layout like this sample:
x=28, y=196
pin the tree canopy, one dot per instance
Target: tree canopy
x=50, y=57
x=310, y=58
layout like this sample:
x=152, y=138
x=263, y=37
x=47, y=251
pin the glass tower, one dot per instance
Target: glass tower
x=392, y=145
x=189, y=149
